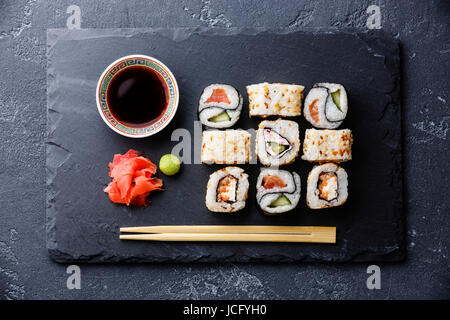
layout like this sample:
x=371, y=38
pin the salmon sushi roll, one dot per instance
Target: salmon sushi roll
x=227, y=190
x=327, y=186
x=326, y=105
x=277, y=191
x=220, y=106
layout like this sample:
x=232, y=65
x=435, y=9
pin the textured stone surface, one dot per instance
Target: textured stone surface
x=27, y=272
x=82, y=222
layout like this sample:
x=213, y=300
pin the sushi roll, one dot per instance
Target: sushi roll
x=279, y=99
x=226, y=147
x=327, y=186
x=277, y=191
x=326, y=105
x=220, y=106
x=227, y=190
x=327, y=145
x=277, y=142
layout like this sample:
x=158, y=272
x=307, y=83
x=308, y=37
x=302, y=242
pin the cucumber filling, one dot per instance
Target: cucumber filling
x=221, y=117
x=280, y=202
x=277, y=148
x=336, y=96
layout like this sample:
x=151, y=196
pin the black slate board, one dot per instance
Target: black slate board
x=83, y=225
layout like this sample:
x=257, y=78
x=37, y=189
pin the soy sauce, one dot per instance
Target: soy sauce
x=137, y=96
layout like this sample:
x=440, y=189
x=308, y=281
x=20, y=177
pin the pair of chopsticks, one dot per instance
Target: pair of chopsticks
x=231, y=233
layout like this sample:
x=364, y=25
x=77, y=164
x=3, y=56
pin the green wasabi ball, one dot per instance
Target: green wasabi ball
x=169, y=164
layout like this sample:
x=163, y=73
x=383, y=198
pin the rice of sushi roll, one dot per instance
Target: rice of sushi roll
x=279, y=99
x=327, y=145
x=326, y=105
x=227, y=190
x=226, y=147
x=327, y=186
x=277, y=191
x=220, y=106
x=277, y=142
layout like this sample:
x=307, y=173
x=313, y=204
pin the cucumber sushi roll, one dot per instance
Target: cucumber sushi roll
x=277, y=191
x=227, y=190
x=277, y=142
x=220, y=106
x=327, y=186
x=326, y=105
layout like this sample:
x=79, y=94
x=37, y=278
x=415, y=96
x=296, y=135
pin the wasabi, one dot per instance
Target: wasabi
x=169, y=164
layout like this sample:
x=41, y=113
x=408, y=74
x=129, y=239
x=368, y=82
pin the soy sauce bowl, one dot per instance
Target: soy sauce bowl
x=148, y=128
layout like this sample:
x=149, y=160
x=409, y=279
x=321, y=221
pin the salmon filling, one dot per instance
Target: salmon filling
x=217, y=96
x=328, y=186
x=227, y=189
x=270, y=182
x=314, y=110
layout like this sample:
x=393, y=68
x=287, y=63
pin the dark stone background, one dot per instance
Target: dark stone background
x=26, y=272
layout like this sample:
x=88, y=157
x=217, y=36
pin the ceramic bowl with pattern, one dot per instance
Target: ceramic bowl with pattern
x=167, y=80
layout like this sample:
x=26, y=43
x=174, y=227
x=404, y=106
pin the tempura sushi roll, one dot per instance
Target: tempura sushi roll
x=279, y=99
x=327, y=145
x=227, y=190
x=220, y=106
x=277, y=191
x=226, y=147
x=326, y=105
x=327, y=186
x=277, y=142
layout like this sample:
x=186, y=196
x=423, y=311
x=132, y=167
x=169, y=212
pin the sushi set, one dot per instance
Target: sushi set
x=235, y=160
x=277, y=144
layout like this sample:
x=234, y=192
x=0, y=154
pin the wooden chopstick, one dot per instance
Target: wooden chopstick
x=231, y=237
x=226, y=229
x=232, y=233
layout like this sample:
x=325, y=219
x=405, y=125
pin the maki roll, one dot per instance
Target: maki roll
x=327, y=145
x=277, y=191
x=225, y=147
x=227, y=190
x=326, y=105
x=279, y=99
x=277, y=142
x=327, y=186
x=220, y=106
